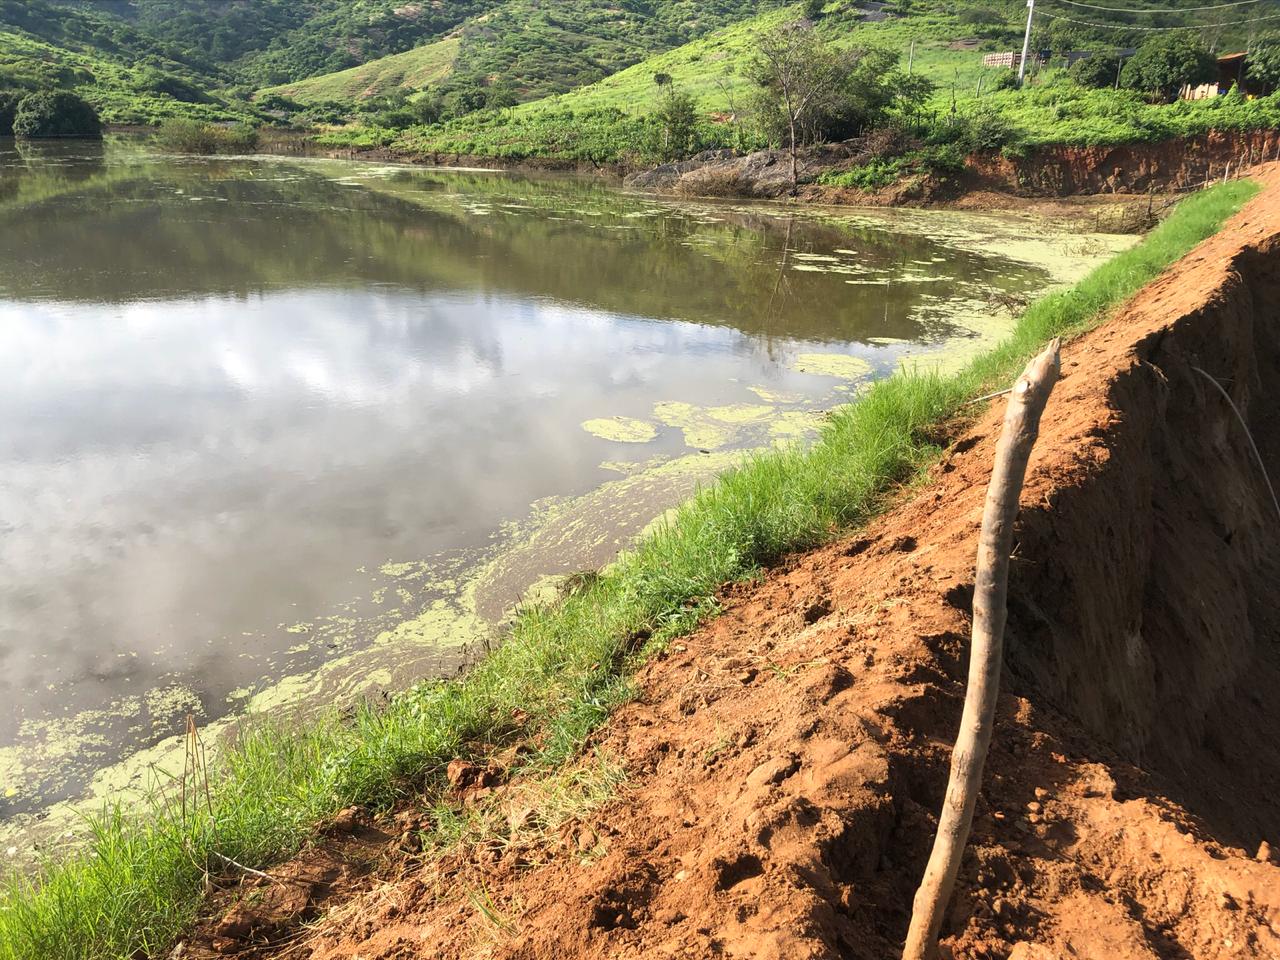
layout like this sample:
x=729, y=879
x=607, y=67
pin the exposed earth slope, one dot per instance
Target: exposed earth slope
x=785, y=764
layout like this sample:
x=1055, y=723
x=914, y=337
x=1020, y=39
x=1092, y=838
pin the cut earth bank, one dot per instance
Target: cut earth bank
x=784, y=765
x=1053, y=179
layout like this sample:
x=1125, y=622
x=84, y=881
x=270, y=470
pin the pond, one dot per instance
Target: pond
x=278, y=425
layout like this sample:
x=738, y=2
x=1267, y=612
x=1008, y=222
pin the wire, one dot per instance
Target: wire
x=1216, y=6
x=1126, y=26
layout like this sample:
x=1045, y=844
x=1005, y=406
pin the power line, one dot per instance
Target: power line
x=1216, y=6
x=1126, y=26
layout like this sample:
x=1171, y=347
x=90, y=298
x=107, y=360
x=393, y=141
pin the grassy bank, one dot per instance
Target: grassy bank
x=140, y=879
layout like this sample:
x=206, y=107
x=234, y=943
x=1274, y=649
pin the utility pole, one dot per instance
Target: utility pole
x=911, y=56
x=1026, y=42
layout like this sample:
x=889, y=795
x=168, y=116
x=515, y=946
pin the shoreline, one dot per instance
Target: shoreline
x=575, y=651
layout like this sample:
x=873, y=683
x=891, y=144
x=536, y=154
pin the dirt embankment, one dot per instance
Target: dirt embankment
x=1131, y=168
x=786, y=763
x=990, y=179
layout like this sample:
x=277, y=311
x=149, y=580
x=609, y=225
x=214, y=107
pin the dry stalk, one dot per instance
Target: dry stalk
x=1021, y=426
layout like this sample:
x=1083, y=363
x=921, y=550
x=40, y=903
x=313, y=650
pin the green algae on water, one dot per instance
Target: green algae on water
x=843, y=365
x=621, y=429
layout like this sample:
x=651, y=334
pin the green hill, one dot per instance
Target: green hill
x=130, y=76
x=409, y=71
x=529, y=49
x=608, y=121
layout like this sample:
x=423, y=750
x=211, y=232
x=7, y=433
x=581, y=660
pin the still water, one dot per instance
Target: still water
x=254, y=411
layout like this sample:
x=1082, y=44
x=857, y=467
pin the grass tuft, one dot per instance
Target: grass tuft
x=138, y=881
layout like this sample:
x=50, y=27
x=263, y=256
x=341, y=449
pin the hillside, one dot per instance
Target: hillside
x=409, y=71
x=528, y=49
x=970, y=107
x=129, y=75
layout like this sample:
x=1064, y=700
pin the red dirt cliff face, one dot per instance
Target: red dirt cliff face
x=787, y=762
x=1062, y=171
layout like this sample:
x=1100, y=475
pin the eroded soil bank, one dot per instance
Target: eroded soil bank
x=1107, y=176
x=1102, y=177
x=785, y=764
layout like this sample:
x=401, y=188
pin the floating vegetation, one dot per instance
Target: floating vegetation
x=843, y=365
x=621, y=429
x=709, y=428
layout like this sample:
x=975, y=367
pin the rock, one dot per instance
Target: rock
x=461, y=773
x=1264, y=852
x=345, y=821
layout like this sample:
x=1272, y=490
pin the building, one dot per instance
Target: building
x=1232, y=72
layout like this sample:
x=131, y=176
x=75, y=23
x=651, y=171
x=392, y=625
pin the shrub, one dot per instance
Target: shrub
x=192, y=136
x=1164, y=65
x=55, y=114
x=1005, y=80
x=675, y=131
x=1097, y=71
x=985, y=129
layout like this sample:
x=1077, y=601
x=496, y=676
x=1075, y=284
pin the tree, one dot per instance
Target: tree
x=813, y=9
x=1263, y=62
x=56, y=114
x=1165, y=64
x=677, y=119
x=1097, y=71
x=809, y=91
x=9, y=100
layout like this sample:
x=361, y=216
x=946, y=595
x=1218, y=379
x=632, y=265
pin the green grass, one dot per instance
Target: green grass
x=138, y=882
x=409, y=71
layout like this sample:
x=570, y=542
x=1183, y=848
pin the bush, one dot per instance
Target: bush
x=394, y=119
x=1097, y=71
x=57, y=114
x=985, y=129
x=192, y=136
x=9, y=100
x=1164, y=65
x=675, y=131
x=1005, y=80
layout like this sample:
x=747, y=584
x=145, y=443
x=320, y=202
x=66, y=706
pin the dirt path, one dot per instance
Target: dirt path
x=786, y=763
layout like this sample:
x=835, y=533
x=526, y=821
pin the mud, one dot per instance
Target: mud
x=785, y=764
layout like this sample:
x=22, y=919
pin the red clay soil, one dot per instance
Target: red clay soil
x=786, y=763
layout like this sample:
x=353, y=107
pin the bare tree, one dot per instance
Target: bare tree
x=809, y=90
x=795, y=68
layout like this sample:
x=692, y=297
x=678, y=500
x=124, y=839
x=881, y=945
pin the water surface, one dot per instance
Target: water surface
x=255, y=411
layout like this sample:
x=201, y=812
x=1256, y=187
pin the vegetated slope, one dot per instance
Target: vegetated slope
x=605, y=122
x=786, y=763
x=412, y=70
x=533, y=48
x=276, y=41
x=129, y=75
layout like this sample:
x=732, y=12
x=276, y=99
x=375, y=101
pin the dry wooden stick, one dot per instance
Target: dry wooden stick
x=1021, y=425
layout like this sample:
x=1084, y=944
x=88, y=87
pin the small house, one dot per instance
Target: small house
x=1233, y=71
